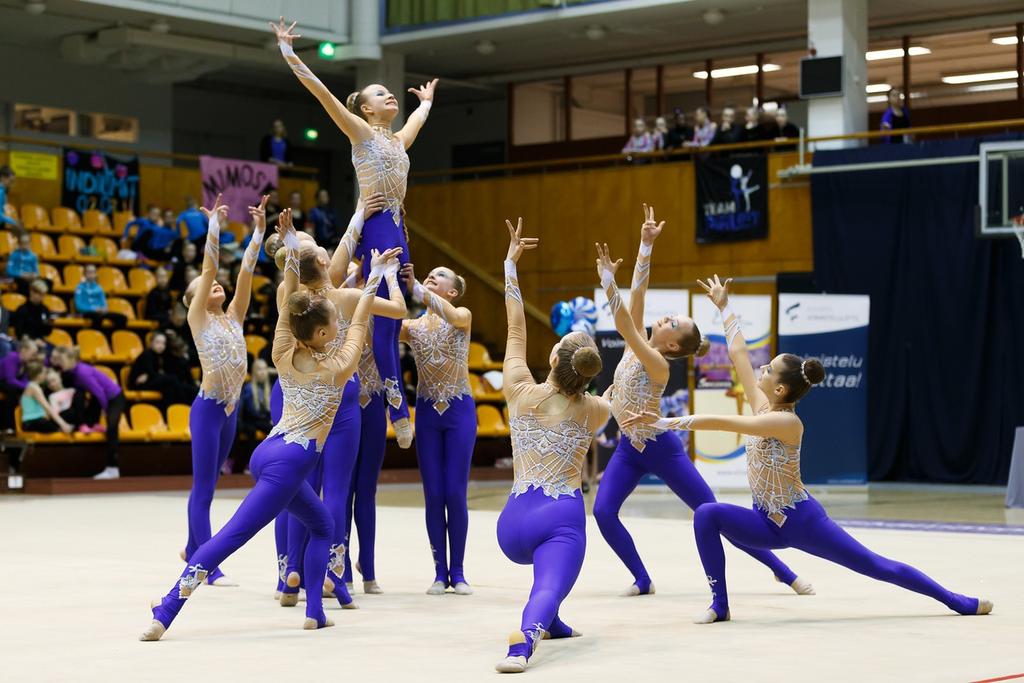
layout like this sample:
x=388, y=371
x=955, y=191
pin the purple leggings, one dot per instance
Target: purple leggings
x=549, y=533
x=380, y=233
x=334, y=474
x=362, y=499
x=665, y=458
x=281, y=521
x=806, y=528
x=279, y=470
x=213, y=435
x=444, y=450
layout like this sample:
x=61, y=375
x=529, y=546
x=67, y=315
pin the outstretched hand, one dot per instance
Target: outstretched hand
x=426, y=91
x=378, y=258
x=259, y=214
x=409, y=275
x=517, y=244
x=284, y=225
x=636, y=419
x=220, y=210
x=604, y=260
x=717, y=290
x=375, y=203
x=650, y=229
x=283, y=32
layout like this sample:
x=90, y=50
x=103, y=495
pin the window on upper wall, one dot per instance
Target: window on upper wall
x=56, y=121
x=683, y=92
x=598, y=105
x=539, y=112
x=643, y=95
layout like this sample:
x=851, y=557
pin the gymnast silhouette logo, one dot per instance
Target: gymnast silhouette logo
x=739, y=185
x=792, y=312
x=730, y=201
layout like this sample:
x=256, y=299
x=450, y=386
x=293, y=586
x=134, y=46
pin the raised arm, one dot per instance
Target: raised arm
x=415, y=122
x=35, y=392
x=784, y=426
x=284, y=340
x=458, y=316
x=393, y=307
x=515, y=370
x=217, y=216
x=718, y=292
x=355, y=128
x=351, y=350
x=346, y=249
x=243, y=286
x=654, y=363
x=649, y=232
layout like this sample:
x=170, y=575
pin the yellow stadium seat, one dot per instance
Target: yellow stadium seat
x=108, y=372
x=71, y=247
x=479, y=359
x=105, y=247
x=54, y=304
x=239, y=230
x=146, y=418
x=118, y=305
x=481, y=391
x=59, y=338
x=36, y=437
x=129, y=433
x=254, y=344
x=112, y=280
x=121, y=221
x=127, y=345
x=65, y=219
x=97, y=222
x=259, y=282
x=43, y=247
x=8, y=243
x=93, y=345
x=140, y=281
x=177, y=422
x=489, y=422
x=50, y=272
x=505, y=414
x=73, y=274
x=12, y=301
x=10, y=210
x=132, y=394
x=34, y=217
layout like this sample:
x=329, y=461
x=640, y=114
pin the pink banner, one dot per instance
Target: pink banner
x=241, y=183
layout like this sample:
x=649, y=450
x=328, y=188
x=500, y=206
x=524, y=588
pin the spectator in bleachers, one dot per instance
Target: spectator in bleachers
x=6, y=180
x=37, y=415
x=325, y=222
x=786, y=127
x=273, y=207
x=158, y=369
x=177, y=328
x=641, y=140
x=12, y=379
x=106, y=397
x=23, y=264
x=896, y=117
x=769, y=126
x=751, y=130
x=189, y=257
x=679, y=134
x=704, y=128
x=727, y=132
x=255, y=401
x=153, y=239
x=33, y=319
x=299, y=218
x=91, y=301
x=158, y=300
x=68, y=402
x=660, y=133
x=275, y=147
x=195, y=222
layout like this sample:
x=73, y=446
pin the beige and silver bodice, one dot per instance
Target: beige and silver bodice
x=309, y=409
x=382, y=165
x=773, y=472
x=370, y=383
x=635, y=392
x=222, y=355
x=442, y=359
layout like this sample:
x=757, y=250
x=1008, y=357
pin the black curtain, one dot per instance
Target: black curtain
x=947, y=310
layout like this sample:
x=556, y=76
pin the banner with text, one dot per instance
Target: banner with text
x=93, y=180
x=721, y=456
x=241, y=183
x=834, y=329
x=732, y=198
x=675, y=402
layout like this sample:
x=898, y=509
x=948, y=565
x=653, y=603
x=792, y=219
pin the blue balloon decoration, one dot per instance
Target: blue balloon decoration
x=584, y=309
x=561, y=318
x=584, y=326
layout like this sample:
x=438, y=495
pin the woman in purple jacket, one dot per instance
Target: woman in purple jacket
x=105, y=391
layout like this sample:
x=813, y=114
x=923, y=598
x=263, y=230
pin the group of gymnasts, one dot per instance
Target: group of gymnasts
x=336, y=351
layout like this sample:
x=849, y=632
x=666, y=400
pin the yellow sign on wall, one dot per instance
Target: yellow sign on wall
x=34, y=165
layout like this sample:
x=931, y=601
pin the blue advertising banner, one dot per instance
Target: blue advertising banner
x=834, y=329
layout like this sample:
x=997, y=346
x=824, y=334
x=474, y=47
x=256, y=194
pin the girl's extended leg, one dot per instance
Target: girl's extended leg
x=430, y=457
x=298, y=538
x=340, y=454
x=372, y=443
x=281, y=544
x=619, y=480
x=206, y=422
x=459, y=440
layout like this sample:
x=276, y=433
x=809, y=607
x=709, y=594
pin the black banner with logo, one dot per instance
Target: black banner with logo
x=732, y=198
x=93, y=180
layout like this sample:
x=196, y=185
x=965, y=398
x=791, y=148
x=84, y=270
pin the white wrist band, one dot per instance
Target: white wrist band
x=510, y=268
x=291, y=241
x=286, y=49
x=607, y=278
x=417, y=291
x=646, y=249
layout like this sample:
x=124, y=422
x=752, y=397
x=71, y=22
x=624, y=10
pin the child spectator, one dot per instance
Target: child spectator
x=37, y=415
x=158, y=369
x=255, y=402
x=23, y=264
x=158, y=301
x=641, y=141
x=660, y=135
x=91, y=301
x=704, y=129
x=33, y=319
x=325, y=222
x=13, y=381
x=152, y=238
x=6, y=180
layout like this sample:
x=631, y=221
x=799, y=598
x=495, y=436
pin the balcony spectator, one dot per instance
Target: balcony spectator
x=680, y=133
x=769, y=126
x=727, y=133
x=325, y=223
x=641, y=140
x=33, y=319
x=37, y=415
x=158, y=369
x=751, y=131
x=660, y=133
x=91, y=301
x=158, y=300
x=6, y=180
x=23, y=264
x=275, y=147
x=786, y=127
x=896, y=117
x=704, y=128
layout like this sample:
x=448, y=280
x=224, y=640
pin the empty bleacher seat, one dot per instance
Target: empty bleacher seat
x=116, y=304
x=489, y=422
x=12, y=301
x=96, y=222
x=72, y=247
x=44, y=248
x=59, y=337
x=140, y=281
x=482, y=391
x=112, y=280
x=94, y=346
x=65, y=219
x=126, y=345
x=73, y=274
x=34, y=217
x=8, y=243
x=254, y=344
x=121, y=221
x=147, y=419
x=177, y=422
x=479, y=359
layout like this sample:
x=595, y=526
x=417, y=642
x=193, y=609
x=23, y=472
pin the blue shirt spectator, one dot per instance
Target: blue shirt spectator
x=194, y=221
x=275, y=147
x=89, y=296
x=896, y=117
x=6, y=178
x=324, y=220
x=22, y=262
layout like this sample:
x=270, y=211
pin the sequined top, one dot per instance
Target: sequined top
x=222, y=355
x=773, y=472
x=334, y=346
x=442, y=359
x=382, y=165
x=635, y=392
x=370, y=383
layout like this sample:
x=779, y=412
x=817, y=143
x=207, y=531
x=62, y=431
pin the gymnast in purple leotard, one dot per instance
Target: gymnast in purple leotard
x=784, y=515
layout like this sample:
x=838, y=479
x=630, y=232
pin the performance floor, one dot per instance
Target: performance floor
x=79, y=572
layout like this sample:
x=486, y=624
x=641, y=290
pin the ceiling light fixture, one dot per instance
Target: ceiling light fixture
x=877, y=87
x=1005, y=40
x=35, y=7
x=961, y=79
x=874, y=99
x=892, y=53
x=485, y=47
x=713, y=16
x=595, y=32
x=989, y=87
x=731, y=71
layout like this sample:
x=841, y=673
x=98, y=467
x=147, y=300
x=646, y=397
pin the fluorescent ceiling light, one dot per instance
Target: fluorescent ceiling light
x=892, y=53
x=979, y=78
x=987, y=87
x=1005, y=40
x=873, y=99
x=877, y=87
x=736, y=71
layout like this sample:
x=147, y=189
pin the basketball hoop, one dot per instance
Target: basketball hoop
x=1018, y=230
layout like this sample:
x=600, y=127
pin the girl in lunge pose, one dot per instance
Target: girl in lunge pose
x=382, y=165
x=640, y=379
x=445, y=419
x=552, y=424
x=783, y=515
x=221, y=346
x=312, y=382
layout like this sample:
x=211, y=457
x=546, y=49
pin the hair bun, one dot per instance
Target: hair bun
x=350, y=101
x=703, y=347
x=586, y=361
x=814, y=371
